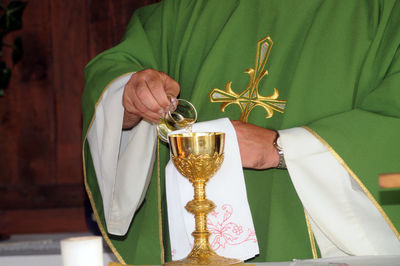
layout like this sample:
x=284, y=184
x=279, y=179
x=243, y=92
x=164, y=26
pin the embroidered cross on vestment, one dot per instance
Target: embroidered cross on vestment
x=250, y=98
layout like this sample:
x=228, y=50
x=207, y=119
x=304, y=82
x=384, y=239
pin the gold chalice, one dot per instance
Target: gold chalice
x=198, y=156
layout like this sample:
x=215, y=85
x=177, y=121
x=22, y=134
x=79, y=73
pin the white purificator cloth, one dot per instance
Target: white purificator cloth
x=230, y=224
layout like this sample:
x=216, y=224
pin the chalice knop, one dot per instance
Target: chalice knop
x=198, y=156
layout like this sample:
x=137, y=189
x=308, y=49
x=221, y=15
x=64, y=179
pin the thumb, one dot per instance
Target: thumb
x=171, y=87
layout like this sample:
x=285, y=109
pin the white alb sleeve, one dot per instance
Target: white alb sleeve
x=123, y=160
x=344, y=217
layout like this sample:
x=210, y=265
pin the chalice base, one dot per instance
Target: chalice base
x=205, y=260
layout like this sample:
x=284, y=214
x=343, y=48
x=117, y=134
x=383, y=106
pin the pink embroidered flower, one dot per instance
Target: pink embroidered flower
x=225, y=232
x=237, y=229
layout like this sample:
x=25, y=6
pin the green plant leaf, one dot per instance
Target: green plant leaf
x=12, y=18
x=5, y=75
x=17, y=50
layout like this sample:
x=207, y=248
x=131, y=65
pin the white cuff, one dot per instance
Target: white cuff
x=123, y=160
x=344, y=219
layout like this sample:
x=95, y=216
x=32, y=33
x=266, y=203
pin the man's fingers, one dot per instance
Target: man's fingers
x=156, y=87
x=140, y=109
x=133, y=103
x=147, y=94
x=171, y=87
x=145, y=99
x=136, y=109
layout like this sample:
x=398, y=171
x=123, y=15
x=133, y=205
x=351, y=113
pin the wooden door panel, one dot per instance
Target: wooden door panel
x=41, y=179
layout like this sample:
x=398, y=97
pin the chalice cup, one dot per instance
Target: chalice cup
x=198, y=156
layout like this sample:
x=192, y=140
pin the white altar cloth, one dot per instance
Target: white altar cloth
x=55, y=260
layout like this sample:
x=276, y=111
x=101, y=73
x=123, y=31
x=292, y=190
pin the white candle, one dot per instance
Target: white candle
x=82, y=251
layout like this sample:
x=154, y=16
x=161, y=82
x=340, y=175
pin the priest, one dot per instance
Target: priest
x=315, y=89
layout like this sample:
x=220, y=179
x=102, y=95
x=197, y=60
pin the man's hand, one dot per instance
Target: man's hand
x=147, y=96
x=256, y=146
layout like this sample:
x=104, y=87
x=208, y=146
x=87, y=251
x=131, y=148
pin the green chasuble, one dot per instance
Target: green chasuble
x=336, y=63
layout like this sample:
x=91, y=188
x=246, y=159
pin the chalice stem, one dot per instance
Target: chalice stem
x=201, y=206
x=199, y=189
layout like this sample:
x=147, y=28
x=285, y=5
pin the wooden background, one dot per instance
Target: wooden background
x=41, y=179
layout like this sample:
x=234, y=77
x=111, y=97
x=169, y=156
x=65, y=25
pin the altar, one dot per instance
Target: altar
x=55, y=260
x=45, y=250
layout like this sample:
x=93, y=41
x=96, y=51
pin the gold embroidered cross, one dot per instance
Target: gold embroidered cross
x=250, y=98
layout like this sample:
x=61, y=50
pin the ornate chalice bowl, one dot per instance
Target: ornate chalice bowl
x=198, y=156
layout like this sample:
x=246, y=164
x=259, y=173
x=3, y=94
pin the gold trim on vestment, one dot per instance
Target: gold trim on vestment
x=359, y=182
x=311, y=236
x=88, y=191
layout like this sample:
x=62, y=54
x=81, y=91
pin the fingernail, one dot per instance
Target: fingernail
x=174, y=101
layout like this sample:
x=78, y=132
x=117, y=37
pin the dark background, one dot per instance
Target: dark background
x=41, y=178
